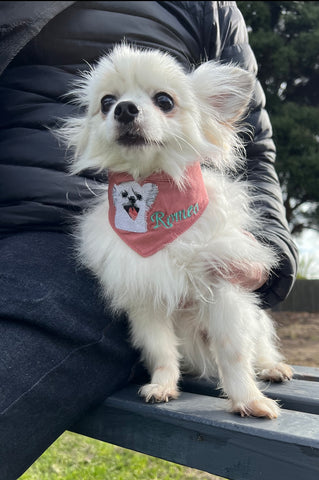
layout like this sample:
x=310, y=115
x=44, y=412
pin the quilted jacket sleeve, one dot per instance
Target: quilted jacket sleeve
x=261, y=153
x=20, y=22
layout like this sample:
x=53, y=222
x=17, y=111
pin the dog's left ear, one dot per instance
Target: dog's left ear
x=227, y=89
x=150, y=191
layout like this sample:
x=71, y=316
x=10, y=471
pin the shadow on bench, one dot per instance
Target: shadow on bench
x=197, y=432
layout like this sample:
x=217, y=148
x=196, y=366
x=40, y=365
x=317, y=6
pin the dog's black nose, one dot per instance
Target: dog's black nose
x=125, y=112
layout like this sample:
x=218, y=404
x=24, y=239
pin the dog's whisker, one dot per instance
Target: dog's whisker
x=178, y=137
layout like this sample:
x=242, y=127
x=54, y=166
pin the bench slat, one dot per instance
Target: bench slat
x=196, y=431
x=300, y=395
x=306, y=373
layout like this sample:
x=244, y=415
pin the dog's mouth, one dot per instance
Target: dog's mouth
x=129, y=139
x=132, y=211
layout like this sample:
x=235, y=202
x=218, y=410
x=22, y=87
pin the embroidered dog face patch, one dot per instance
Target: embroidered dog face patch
x=150, y=214
x=132, y=201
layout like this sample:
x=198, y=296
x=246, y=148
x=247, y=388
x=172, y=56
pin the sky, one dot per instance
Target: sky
x=308, y=246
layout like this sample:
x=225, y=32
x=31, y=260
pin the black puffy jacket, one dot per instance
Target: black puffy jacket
x=45, y=44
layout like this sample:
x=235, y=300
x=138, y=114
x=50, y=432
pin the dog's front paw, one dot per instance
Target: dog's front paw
x=279, y=373
x=153, y=392
x=261, y=407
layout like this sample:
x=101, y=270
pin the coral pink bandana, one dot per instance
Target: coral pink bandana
x=153, y=212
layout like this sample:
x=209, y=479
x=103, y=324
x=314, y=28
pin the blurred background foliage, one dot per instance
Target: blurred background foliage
x=285, y=39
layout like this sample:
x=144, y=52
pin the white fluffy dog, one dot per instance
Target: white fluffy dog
x=153, y=127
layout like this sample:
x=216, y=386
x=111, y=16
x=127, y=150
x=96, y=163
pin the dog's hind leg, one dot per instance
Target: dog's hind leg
x=269, y=362
x=153, y=334
x=232, y=324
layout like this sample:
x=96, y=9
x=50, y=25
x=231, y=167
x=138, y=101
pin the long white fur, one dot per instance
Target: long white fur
x=184, y=313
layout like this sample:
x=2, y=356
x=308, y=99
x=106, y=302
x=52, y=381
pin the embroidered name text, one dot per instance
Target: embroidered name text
x=159, y=219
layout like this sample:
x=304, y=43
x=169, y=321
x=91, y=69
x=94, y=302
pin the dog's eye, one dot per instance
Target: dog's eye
x=164, y=101
x=138, y=196
x=124, y=194
x=107, y=102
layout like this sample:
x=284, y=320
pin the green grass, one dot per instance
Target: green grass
x=76, y=457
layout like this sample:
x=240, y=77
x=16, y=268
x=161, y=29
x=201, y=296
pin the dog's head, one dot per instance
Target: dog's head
x=143, y=113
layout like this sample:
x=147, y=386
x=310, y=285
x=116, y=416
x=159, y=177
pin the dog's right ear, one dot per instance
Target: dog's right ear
x=115, y=193
x=75, y=131
x=75, y=135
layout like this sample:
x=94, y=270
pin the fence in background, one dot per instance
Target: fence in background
x=304, y=297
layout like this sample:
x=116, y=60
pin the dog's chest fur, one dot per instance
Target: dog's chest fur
x=181, y=268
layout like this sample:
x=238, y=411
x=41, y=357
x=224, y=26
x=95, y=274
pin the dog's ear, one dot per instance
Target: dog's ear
x=150, y=191
x=115, y=193
x=227, y=89
x=75, y=131
x=75, y=134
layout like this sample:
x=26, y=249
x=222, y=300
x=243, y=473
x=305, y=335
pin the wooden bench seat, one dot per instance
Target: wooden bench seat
x=196, y=431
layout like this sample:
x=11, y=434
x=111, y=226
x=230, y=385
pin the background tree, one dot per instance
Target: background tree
x=285, y=40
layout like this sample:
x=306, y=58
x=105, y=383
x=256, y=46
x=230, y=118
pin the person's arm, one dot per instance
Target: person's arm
x=20, y=22
x=261, y=153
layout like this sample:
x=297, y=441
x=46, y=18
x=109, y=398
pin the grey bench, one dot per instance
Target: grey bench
x=196, y=431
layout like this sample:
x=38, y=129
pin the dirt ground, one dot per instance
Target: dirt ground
x=299, y=336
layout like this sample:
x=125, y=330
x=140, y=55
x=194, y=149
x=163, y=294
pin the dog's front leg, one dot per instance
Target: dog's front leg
x=233, y=330
x=153, y=333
